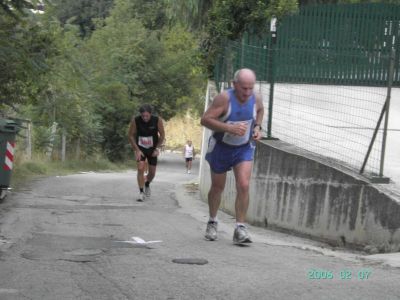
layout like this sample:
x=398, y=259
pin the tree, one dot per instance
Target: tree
x=64, y=95
x=91, y=87
x=151, y=13
x=189, y=13
x=115, y=64
x=83, y=13
x=15, y=8
x=182, y=70
x=24, y=46
x=230, y=19
x=129, y=64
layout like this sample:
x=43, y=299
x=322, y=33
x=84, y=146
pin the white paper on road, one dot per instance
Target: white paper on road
x=139, y=242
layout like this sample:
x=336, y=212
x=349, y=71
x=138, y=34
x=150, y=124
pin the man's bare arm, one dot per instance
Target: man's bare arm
x=132, y=135
x=257, y=134
x=260, y=109
x=218, y=108
x=161, y=132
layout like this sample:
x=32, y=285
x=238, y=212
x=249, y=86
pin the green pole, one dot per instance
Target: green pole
x=271, y=75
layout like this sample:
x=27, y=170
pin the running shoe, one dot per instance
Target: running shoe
x=141, y=197
x=211, y=231
x=240, y=235
x=147, y=191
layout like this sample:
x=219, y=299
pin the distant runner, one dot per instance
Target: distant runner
x=146, y=135
x=189, y=154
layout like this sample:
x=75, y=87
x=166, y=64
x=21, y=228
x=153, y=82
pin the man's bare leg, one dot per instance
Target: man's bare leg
x=140, y=173
x=152, y=173
x=242, y=173
x=214, y=200
x=215, y=193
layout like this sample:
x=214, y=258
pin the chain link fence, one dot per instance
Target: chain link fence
x=335, y=117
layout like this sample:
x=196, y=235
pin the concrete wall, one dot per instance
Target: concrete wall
x=298, y=191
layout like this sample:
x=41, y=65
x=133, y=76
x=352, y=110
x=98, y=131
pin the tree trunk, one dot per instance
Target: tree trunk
x=63, y=145
x=52, y=137
x=29, y=141
x=78, y=148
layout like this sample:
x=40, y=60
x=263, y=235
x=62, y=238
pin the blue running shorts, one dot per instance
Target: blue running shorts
x=222, y=157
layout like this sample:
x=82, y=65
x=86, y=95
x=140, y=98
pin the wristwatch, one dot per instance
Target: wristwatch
x=259, y=126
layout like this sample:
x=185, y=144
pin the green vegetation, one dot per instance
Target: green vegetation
x=181, y=128
x=230, y=19
x=80, y=70
x=40, y=167
x=178, y=130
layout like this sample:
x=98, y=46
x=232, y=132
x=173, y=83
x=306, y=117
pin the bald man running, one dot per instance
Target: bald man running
x=235, y=117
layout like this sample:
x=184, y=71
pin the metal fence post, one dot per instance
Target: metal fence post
x=271, y=75
x=388, y=96
x=385, y=111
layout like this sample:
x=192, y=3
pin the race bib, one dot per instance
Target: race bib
x=146, y=141
x=236, y=140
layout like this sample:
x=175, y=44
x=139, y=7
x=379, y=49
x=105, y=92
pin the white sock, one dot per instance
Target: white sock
x=239, y=224
x=213, y=220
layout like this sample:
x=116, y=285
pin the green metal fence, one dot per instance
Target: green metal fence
x=325, y=81
x=327, y=44
x=338, y=44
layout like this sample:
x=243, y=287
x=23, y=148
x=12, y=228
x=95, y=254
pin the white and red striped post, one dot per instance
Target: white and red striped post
x=9, y=157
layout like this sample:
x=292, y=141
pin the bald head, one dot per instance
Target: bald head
x=243, y=83
x=244, y=75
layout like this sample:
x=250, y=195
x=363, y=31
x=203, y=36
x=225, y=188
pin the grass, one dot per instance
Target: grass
x=27, y=170
x=178, y=130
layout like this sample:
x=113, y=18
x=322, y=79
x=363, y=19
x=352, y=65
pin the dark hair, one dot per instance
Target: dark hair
x=146, y=108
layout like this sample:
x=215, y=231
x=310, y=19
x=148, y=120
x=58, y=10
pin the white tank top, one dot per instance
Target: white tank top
x=188, y=151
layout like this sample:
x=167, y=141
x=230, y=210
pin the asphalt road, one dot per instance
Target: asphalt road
x=59, y=240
